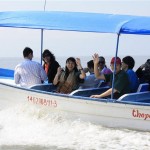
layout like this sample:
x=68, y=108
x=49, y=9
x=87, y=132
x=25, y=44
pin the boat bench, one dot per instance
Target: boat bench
x=88, y=92
x=136, y=97
x=44, y=87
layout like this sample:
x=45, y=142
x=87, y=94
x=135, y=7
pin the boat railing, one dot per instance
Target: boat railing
x=44, y=87
x=143, y=87
x=88, y=92
x=142, y=94
x=136, y=97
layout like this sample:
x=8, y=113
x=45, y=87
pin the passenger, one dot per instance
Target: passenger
x=69, y=79
x=127, y=65
x=121, y=83
x=90, y=81
x=104, y=70
x=143, y=72
x=29, y=72
x=50, y=65
x=102, y=66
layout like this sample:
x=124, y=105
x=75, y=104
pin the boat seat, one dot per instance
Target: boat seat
x=88, y=92
x=136, y=97
x=143, y=87
x=44, y=87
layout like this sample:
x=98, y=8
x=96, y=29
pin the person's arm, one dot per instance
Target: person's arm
x=105, y=94
x=16, y=76
x=56, y=79
x=139, y=71
x=43, y=73
x=78, y=62
x=98, y=75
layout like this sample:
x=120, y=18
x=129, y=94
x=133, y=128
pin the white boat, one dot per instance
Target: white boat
x=130, y=111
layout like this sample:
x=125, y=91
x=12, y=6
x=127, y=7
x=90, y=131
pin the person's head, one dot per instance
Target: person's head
x=90, y=65
x=71, y=64
x=128, y=63
x=118, y=64
x=28, y=53
x=147, y=65
x=101, y=62
x=48, y=56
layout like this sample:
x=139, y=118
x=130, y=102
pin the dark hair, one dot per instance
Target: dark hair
x=27, y=51
x=101, y=57
x=129, y=61
x=48, y=53
x=66, y=69
x=90, y=64
x=147, y=64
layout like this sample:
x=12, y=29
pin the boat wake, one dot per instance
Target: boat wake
x=27, y=127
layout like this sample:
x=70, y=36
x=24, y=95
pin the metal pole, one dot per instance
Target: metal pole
x=117, y=45
x=41, y=44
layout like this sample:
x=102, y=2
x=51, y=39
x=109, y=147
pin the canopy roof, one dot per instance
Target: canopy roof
x=76, y=21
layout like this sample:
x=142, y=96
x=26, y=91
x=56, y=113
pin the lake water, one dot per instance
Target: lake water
x=28, y=128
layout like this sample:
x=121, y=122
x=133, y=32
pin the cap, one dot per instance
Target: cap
x=118, y=60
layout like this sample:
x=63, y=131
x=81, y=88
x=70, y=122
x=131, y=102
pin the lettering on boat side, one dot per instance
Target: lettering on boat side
x=42, y=101
x=136, y=113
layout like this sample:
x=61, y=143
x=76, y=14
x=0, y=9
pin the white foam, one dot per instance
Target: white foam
x=27, y=125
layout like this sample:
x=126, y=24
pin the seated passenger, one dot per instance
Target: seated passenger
x=104, y=70
x=143, y=72
x=127, y=65
x=102, y=66
x=90, y=81
x=50, y=65
x=69, y=79
x=121, y=83
x=29, y=73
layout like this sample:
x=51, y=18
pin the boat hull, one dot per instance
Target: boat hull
x=110, y=114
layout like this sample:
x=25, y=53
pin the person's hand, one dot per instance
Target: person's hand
x=59, y=70
x=86, y=70
x=95, y=58
x=78, y=61
x=95, y=96
x=142, y=66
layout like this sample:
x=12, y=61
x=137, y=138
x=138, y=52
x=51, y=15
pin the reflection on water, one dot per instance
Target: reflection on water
x=30, y=128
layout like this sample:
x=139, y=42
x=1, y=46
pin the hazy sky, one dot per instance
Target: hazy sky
x=62, y=43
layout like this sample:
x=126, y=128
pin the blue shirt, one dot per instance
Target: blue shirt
x=133, y=79
x=90, y=82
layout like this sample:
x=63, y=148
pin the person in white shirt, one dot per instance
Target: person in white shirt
x=29, y=73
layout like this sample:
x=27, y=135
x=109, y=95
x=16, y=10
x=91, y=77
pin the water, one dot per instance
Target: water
x=11, y=62
x=26, y=127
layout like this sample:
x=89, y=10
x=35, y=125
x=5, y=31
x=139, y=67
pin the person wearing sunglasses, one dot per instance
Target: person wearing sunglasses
x=50, y=65
x=102, y=66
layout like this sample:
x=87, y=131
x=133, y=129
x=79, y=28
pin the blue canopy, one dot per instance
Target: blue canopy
x=76, y=21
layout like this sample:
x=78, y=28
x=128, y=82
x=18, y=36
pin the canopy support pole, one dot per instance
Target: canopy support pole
x=117, y=45
x=41, y=44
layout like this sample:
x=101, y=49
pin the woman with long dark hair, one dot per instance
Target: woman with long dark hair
x=68, y=80
x=50, y=65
